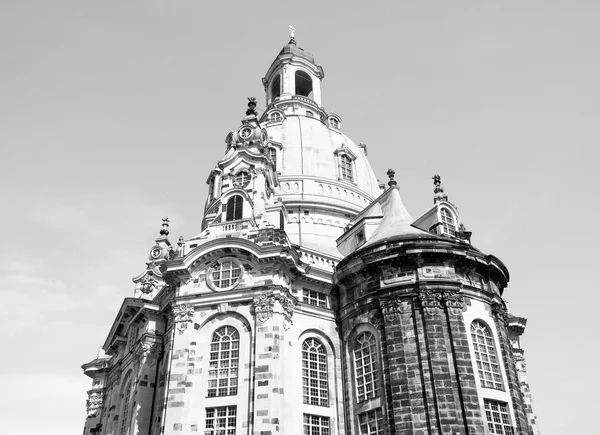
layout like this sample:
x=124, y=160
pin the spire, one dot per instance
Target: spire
x=292, y=35
x=165, y=227
x=438, y=190
x=391, y=173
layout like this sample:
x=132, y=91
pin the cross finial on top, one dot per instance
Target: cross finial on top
x=292, y=35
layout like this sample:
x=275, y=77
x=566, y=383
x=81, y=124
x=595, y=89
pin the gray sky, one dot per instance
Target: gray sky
x=112, y=114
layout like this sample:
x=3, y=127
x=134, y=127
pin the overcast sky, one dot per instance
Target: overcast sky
x=112, y=114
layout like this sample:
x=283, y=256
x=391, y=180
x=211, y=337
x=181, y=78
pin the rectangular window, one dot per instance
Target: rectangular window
x=314, y=298
x=316, y=425
x=346, y=168
x=498, y=418
x=371, y=422
x=220, y=421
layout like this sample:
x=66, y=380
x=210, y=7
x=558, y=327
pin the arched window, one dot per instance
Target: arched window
x=334, y=123
x=448, y=222
x=315, y=390
x=223, y=364
x=276, y=117
x=366, y=366
x=125, y=410
x=272, y=154
x=346, y=168
x=276, y=88
x=303, y=84
x=235, y=207
x=485, y=356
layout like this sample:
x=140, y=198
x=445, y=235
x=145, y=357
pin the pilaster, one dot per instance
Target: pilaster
x=273, y=316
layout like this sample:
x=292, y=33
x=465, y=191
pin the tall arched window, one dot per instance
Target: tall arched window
x=235, y=207
x=303, y=84
x=485, y=356
x=448, y=222
x=366, y=366
x=276, y=88
x=223, y=363
x=125, y=410
x=315, y=389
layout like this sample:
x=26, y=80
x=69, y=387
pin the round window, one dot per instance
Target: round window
x=225, y=274
x=242, y=179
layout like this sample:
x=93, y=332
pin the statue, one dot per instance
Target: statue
x=251, y=107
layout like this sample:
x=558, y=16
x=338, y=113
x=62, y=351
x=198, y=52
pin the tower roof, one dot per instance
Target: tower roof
x=396, y=221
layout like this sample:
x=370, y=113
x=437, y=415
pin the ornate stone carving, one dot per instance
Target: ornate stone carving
x=148, y=351
x=94, y=403
x=148, y=284
x=429, y=300
x=182, y=315
x=392, y=306
x=500, y=313
x=454, y=302
x=265, y=304
x=114, y=376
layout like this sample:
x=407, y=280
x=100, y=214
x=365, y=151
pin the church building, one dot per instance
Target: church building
x=311, y=301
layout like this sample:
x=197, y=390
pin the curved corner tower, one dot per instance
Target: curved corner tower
x=310, y=301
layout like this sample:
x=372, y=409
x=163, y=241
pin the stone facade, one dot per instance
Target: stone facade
x=311, y=301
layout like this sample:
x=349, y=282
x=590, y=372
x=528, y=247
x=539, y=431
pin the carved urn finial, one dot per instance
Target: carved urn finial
x=391, y=173
x=165, y=227
x=438, y=190
x=292, y=35
x=181, y=241
x=251, y=107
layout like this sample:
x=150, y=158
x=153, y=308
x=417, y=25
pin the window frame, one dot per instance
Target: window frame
x=343, y=154
x=374, y=366
x=214, y=428
x=378, y=419
x=217, y=267
x=496, y=381
x=499, y=421
x=312, y=379
x=448, y=221
x=321, y=428
x=313, y=298
x=236, y=206
x=125, y=405
x=231, y=363
x=242, y=179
